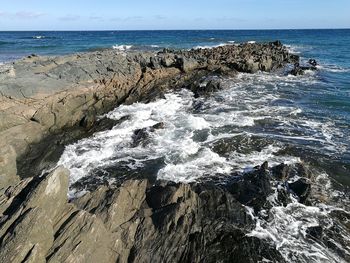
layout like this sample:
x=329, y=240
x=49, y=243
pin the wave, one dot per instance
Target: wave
x=333, y=68
x=40, y=37
x=298, y=49
x=122, y=47
x=251, y=42
x=5, y=43
x=212, y=46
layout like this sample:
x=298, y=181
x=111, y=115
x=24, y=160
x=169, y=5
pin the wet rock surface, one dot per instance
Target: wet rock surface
x=140, y=221
x=43, y=97
x=300, y=69
x=48, y=103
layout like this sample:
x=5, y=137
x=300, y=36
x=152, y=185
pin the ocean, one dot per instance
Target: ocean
x=258, y=117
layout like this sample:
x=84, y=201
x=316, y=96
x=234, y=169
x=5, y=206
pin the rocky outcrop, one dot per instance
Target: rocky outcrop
x=300, y=70
x=136, y=222
x=47, y=102
x=45, y=96
x=143, y=222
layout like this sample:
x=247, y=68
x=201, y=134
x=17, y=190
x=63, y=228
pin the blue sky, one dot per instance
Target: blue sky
x=179, y=14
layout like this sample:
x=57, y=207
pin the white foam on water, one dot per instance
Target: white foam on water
x=251, y=42
x=244, y=103
x=298, y=49
x=39, y=37
x=122, y=47
x=287, y=228
x=333, y=68
x=212, y=46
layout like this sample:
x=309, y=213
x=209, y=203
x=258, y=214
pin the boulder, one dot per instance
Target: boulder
x=141, y=136
x=301, y=188
x=211, y=86
x=252, y=188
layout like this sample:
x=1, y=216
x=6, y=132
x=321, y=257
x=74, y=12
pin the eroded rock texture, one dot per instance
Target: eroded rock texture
x=41, y=97
x=143, y=222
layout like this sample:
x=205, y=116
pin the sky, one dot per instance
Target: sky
x=179, y=14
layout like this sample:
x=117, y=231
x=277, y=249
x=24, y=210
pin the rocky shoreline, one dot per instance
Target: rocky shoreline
x=48, y=102
x=44, y=96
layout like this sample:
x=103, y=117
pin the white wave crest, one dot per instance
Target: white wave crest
x=333, y=68
x=212, y=46
x=122, y=47
x=287, y=227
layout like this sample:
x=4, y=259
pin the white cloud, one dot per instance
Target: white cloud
x=28, y=15
x=22, y=15
x=69, y=18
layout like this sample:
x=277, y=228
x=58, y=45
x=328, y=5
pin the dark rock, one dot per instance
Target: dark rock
x=315, y=232
x=211, y=86
x=301, y=188
x=252, y=188
x=198, y=105
x=155, y=63
x=281, y=171
x=142, y=136
x=277, y=43
x=159, y=125
x=313, y=62
x=300, y=70
x=297, y=70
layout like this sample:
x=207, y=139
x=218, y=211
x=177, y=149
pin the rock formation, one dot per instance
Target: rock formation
x=136, y=222
x=45, y=96
x=49, y=101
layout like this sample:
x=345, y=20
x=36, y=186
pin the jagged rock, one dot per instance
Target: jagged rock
x=75, y=89
x=141, y=136
x=284, y=172
x=301, y=188
x=140, y=221
x=206, y=88
x=27, y=240
x=300, y=70
x=313, y=62
x=252, y=188
x=137, y=221
x=37, y=203
x=187, y=64
x=82, y=238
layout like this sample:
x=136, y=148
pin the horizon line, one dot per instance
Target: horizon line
x=91, y=30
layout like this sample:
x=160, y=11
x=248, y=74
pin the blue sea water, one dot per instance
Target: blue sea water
x=320, y=131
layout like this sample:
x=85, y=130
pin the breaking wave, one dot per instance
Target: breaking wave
x=122, y=47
